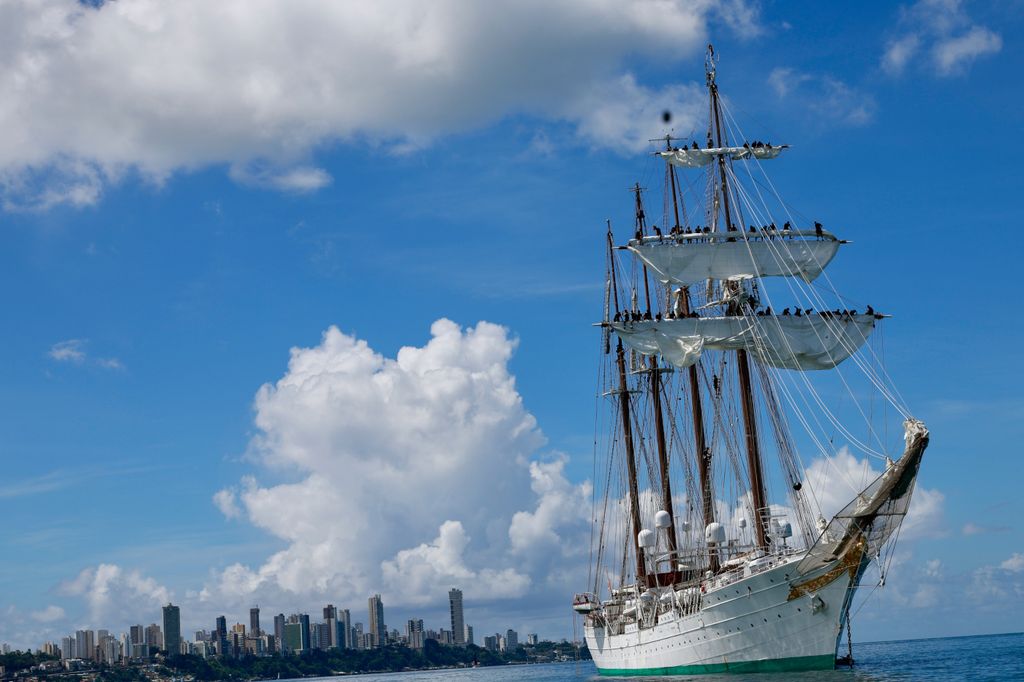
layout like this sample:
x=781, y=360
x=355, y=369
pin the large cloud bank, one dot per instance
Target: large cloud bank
x=93, y=92
x=408, y=475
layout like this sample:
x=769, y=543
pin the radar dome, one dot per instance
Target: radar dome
x=645, y=538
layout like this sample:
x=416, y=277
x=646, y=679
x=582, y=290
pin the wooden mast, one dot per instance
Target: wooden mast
x=701, y=449
x=627, y=430
x=659, y=422
x=703, y=452
x=757, y=492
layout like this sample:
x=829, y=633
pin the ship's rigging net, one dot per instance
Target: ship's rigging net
x=873, y=516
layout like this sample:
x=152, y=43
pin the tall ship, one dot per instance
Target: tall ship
x=737, y=386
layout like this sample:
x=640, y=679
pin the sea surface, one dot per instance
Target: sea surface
x=986, y=657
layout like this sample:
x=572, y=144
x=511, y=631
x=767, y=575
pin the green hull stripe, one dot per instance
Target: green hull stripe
x=771, y=665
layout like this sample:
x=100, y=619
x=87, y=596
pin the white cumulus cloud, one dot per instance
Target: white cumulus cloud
x=942, y=35
x=824, y=98
x=404, y=476
x=1015, y=564
x=227, y=503
x=147, y=88
x=115, y=594
x=48, y=615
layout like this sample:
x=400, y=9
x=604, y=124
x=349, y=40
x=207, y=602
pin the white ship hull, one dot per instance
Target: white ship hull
x=764, y=622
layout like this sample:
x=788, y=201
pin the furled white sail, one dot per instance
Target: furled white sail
x=686, y=261
x=695, y=158
x=807, y=342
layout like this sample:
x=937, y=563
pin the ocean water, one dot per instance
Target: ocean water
x=987, y=657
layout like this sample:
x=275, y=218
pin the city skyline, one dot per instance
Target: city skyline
x=294, y=633
x=319, y=286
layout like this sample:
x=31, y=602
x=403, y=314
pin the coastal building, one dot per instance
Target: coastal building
x=67, y=648
x=414, y=633
x=378, y=633
x=172, y=629
x=468, y=630
x=279, y=622
x=109, y=650
x=511, y=640
x=154, y=637
x=292, y=640
x=304, y=624
x=320, y=636
x=331, y=621
x=457, y=620
x=254, y=621
x=345, y=629
x=85, y=644
x=220, y=636
x=532, y=639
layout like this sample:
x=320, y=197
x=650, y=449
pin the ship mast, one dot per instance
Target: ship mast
x=701, y=450
x=754, y=464
x=627, y=430
x=659, y=422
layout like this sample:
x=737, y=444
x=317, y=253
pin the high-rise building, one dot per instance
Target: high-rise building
x=320, y=635
x=292, y=640
x=172, y=629
x=279, y=622
x=414, y=633
x=532, y=639
x=304, y=623
x=154, y=637
x=469, y=634
x=85, y=644
x=331, y=621
x=378, y=634
x=137, y=634
x=109, y=649
x=67, y=649
x=296, y=633
x=220, y=636
x=511, y=640
x=458, y=622
x=358, y=637
x=254, y=621
x=345, y=628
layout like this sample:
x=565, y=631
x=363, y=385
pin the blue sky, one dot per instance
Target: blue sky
x=184, y=203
